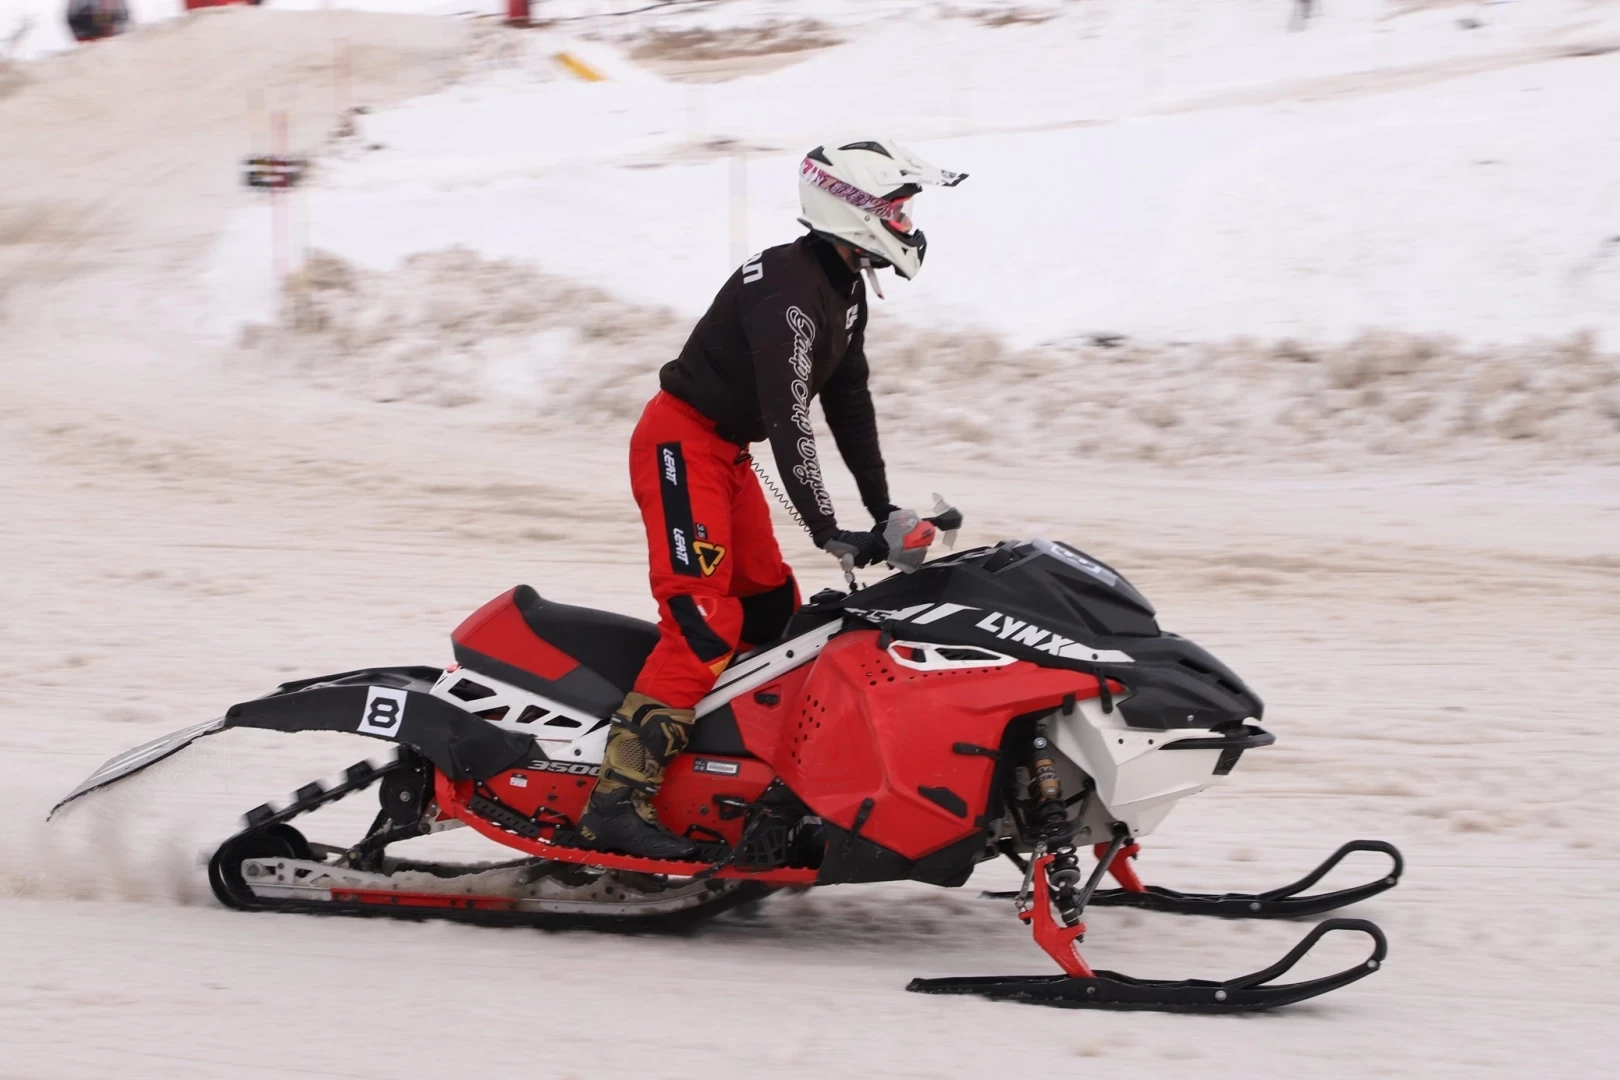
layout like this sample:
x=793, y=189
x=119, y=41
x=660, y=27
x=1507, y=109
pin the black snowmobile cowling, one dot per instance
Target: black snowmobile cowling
x=1048, y=602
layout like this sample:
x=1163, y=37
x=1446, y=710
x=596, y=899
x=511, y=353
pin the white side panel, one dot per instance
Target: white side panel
x=756, y=671
x=564, y=732
x=1137, y=779
x=585, y=743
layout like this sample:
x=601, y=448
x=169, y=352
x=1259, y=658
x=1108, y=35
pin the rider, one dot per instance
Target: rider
x=788, y=324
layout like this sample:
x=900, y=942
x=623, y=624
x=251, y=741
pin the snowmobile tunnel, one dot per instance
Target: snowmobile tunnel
x=383, y=703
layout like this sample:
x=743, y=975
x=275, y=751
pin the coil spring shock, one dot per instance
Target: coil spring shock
x=1054, y=829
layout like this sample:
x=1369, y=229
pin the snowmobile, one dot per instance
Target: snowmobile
x=1014, y=701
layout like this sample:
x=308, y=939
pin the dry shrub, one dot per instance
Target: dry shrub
x=453, y=328
x=700, y=44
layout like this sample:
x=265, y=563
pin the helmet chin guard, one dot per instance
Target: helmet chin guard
x=859, y=193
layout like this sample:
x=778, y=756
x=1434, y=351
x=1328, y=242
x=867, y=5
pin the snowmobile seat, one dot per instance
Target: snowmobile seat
x=610, y=649
x=613, y=646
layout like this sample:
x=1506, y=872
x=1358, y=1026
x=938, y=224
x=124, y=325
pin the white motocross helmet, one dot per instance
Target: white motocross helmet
x=860, y=193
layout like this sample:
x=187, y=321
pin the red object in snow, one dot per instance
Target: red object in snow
x=517, y=12
x=193, y=5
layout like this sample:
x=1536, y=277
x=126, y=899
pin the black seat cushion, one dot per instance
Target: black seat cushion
x=612, y=645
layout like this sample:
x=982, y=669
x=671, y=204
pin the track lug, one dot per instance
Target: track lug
x=259, y=815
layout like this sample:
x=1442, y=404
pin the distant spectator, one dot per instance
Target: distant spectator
x=91, y=20
x=1303, y=10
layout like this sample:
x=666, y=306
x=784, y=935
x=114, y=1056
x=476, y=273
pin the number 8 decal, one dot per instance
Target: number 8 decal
x=385, y=710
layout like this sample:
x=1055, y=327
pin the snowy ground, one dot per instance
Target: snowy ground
x=193, y=512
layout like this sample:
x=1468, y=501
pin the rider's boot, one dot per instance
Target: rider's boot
x=645, y=737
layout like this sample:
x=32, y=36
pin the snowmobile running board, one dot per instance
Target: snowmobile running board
x=1110, y=990
x=1279, y=903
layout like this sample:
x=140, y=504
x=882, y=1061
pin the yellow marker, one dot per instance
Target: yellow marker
x=580, y=67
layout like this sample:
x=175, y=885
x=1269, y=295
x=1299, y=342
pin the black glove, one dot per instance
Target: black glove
x=863, y=548
x=880, y=515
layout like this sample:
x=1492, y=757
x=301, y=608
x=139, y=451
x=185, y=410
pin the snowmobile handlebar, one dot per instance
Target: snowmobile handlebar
x=908, y=536
x=947, y=521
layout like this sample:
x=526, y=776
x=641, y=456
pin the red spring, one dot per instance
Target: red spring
x=1058, y=940
x=1123, y=871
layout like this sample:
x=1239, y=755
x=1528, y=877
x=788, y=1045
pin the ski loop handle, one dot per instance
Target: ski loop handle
x=1280, y=903
x=1308, y=942
x=1333, y=860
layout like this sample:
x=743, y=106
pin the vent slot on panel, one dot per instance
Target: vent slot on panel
x=467, y=690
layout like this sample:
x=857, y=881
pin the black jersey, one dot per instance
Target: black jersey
x=788, y=325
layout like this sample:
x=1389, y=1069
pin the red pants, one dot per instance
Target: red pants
x=716, y=572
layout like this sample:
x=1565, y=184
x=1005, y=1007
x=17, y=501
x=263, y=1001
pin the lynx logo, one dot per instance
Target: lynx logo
x=677, y=541
x=385, y=711
x=570, y=768
x=853, y=314
x=752, y=270
x=671, y=477
x=1006, y=627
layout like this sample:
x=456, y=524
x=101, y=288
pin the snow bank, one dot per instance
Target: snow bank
x=1373, y=174
x=453, y=328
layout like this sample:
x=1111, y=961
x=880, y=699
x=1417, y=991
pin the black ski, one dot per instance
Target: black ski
x=1280, y=903
x=1111, y=990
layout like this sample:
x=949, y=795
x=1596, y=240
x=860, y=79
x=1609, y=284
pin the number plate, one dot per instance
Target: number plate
x=385, y=711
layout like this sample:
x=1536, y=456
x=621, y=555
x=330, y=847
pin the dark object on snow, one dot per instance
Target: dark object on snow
x=91, y=20
x=273, y=170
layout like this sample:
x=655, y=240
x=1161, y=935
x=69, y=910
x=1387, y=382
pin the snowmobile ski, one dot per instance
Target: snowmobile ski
x=1280, y=903
x=1111, y=990
x=1081, y=987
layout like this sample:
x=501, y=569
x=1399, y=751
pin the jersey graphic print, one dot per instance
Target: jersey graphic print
x=752, y=269
x=808, y=467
